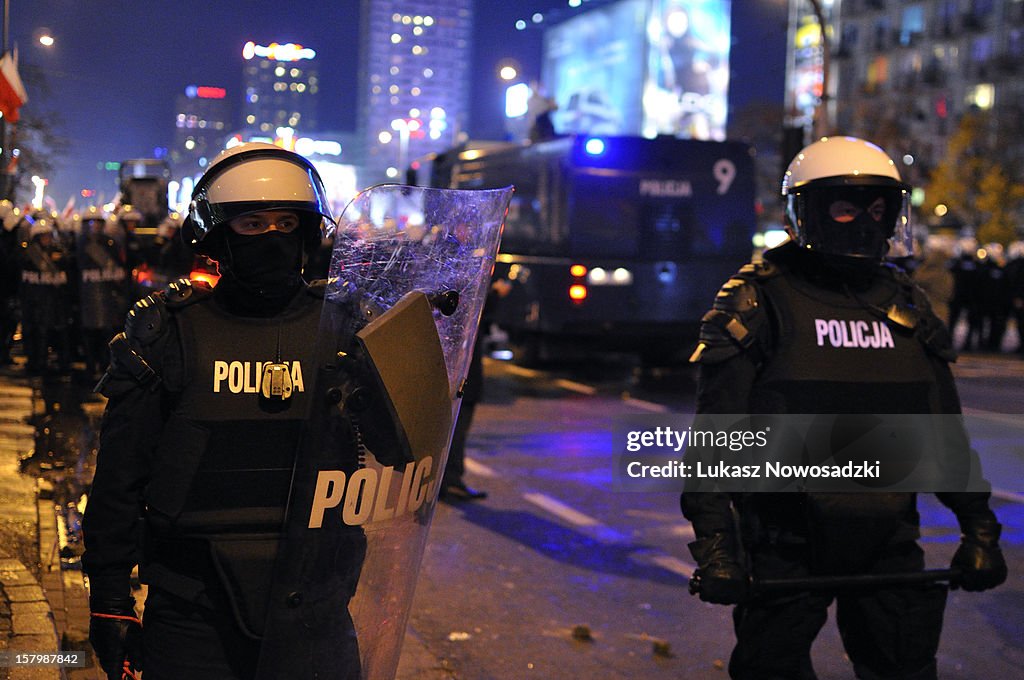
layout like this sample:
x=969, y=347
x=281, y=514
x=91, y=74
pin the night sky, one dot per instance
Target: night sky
x=118, y=66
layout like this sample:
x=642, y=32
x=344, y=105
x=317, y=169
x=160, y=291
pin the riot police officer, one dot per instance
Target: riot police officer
x=102, y=289
x=172, y=257
x=196, y=450
x=758, y=353
x=45, y=298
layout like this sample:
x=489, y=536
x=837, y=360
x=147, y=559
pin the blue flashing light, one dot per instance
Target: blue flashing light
x=594, y=146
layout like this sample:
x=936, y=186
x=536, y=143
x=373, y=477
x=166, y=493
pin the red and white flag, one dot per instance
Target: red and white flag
x=12, y=91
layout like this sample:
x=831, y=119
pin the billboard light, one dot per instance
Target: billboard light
x=277, y=52
x=204, y=92
x=305, y=146
x=211, y=92
x=517, y=99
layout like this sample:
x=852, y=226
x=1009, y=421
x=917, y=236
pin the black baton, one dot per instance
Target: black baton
x=760, y=586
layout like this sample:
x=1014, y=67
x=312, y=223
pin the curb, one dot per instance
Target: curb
x=33, y=628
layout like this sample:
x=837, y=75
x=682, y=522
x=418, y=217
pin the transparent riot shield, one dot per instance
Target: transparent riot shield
x=408, y=278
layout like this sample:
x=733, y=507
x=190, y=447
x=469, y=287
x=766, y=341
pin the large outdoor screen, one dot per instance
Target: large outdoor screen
x=641, y=67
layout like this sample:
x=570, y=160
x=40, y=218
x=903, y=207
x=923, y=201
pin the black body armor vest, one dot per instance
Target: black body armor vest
x=225, y=457
x=840, y=352
x=220, y=484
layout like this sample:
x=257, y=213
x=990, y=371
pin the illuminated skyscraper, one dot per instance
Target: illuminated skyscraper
x=414, y=80
x=201, y=122
x=281, y=84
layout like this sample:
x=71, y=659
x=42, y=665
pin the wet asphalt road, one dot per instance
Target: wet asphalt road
x=556, y=575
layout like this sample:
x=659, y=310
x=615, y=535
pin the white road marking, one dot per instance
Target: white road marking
x=673, y=564
x=1013, y=419
x=684, y=531
x=479, y=469
x=606, y=534
x=561, y=510
x=1012, y=496
x=522, y=372
x=647, y=405
x=574, y=386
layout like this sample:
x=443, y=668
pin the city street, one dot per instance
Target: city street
x=506, y=582
x=556, y=575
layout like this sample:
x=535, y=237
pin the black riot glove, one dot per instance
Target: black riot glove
x=719, y=578
x=979, y=558
x=115, y=632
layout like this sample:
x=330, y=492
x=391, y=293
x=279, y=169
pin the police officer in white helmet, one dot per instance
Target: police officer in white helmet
x=197, y=446
x=766, y=347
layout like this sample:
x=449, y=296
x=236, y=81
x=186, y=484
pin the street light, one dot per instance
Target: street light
x=404, y=126
x=44, y=37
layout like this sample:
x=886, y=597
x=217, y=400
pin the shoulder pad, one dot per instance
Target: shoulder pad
x=735, y=319
x=147, y=319
x=762, y=269
x=185, y=292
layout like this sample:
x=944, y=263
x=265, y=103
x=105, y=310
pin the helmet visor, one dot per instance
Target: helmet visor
x=853, y=221
x=258, y=180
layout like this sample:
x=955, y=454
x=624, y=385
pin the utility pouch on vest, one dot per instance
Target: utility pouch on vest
x=178, y=455
x=245, y=565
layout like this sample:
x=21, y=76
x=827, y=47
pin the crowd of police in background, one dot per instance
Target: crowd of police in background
x=68, y=281
x=977, y=289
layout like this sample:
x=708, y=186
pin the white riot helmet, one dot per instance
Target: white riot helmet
x=92, y=216
x=41, y=227
x=169, y=226
x=844, y=196
x=253, y=177
x=128, y=213
x=10, y=215
x=1015, y=250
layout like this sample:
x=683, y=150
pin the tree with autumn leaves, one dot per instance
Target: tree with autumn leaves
x=977, y=179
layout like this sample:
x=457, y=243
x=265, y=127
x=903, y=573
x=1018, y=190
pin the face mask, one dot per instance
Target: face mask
x=850, y=221
x=268, y=264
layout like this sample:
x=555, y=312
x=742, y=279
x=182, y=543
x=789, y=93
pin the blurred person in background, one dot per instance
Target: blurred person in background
x=102, y=286
x=172, y=258
x=993, y=296
x=1015, y=282
x=932, y=274
x=46, y=270
x=966, y=305
x=453, y=486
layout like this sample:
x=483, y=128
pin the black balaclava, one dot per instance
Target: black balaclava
x=845, y=249
x=261, y=273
